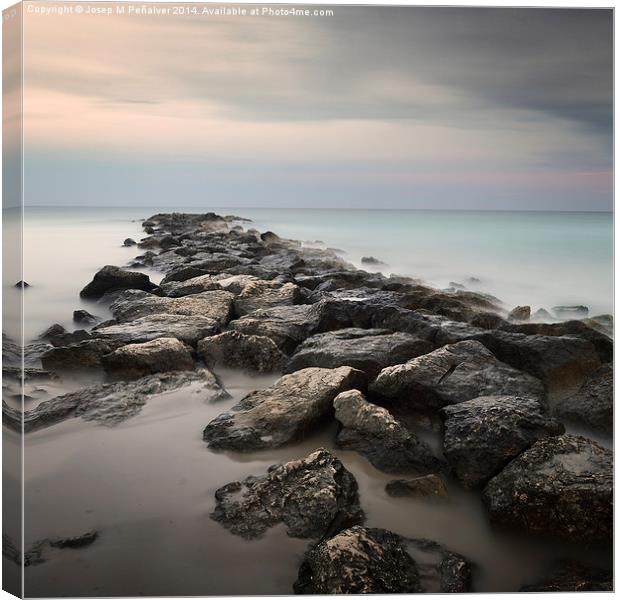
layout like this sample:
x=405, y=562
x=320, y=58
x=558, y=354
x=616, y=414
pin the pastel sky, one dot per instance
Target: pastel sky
x=373, y=108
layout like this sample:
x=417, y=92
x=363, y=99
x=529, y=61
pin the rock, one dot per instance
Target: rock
x=453, y=374
x=157, y=356
x=211, y=264
x=570, y=312
x=287, y=326
x=571, y=576
x=266, y=294
x=114, y=278
x=112, y=403
x=420, y=487
x=373, y=432
x=196, y=285
x=541, y=315
x=269, y=237
x=83, y=355
x=129, y=242
x=371, y=260
x=562, y=487
x=83, y=316
x=561, y=362
x=187, y=328
x=359, y=560
x=22, y=284
x=368, y=350
x=57, y=335
x=593, y=405
x=283, y=412
x=215, y=305
x=482, y=435
x=313, y=497
x=78, y=541
x=239, y=351
x=520, y=313
x=53, y=331
x=602, y=323
x=487, y=320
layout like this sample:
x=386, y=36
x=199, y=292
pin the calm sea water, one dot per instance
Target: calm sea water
x=147, y=484
x=540, y=259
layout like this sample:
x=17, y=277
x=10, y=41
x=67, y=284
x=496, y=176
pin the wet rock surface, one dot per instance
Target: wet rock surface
x=111, y=278
x=453, y=374
x=373, y=432
x=313, y=497
x=284, y=412
x=572, y=576
x=368, y=350
x=562, y=487
x=482, y=435
x=427, y=486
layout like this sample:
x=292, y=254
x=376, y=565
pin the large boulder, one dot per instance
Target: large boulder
x=210, y=264
x=196, y=285
x=111, y=278
x=266, y=294
x=111, y=403
x=157, y=356
x=187, y=328
x=313, y=497
x=562, y=487
x=571, y=576
x=83, y=355
x=362, y=560
x=373, y=432
x=239, y=351
x=284, y=412
x=368, y=350
x=593, y=405
x=216, y=305
x=453, y=374
x=482, y=435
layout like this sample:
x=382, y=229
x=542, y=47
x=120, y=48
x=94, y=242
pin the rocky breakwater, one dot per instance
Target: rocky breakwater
x=377, y=357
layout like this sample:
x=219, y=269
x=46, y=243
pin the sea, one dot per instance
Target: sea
x=147, y=485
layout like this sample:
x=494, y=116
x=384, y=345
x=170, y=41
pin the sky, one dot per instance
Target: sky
x=373, y=107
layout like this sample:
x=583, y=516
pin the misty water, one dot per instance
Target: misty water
x=147, y=485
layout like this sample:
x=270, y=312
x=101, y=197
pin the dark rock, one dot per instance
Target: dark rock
x=78, y=541
x=482, y=435
x=520, y=313
x=453, y=374
x=22, y=284
x=487, y=320
x=266, y=294
x=541, y=315
x=570, y=312
x=196, y=285
x=373, y=432
x=368, y=350
x=214, y=264
x=83, y=355
x=57, y=335
x=313, y=497
x=114, y=278
x=371, y=260
x=157, y=356
x=269, y=237
x=421, y=487
x=593, y=405
x=571, y=576
x=129, y=242
x=111, y=403
x=359, y=560
x=53, y=331
x=83, y=316
x=215, y=305
x=187, y=328
x=562, y=487
x=239, y=351
x=284, y=412
x=602, y=323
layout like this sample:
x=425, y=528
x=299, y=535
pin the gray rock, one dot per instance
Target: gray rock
x=83, y=316
x=359, y=560
x=368, y=350
x=520, y=313
x=129, y=242
x=283, y=412
x=373, y=432
x=266, y=294
x=239, y=351
x=371, y=260
x=593, y=405
x=216, y=305
x=157, y=356
x=482, y=435
x=112, y=403
x=83, y=355
x=542, y=315
x=562, y=487
x=210, y=264
x=453, y=374
x=187, y=328
x=313, y=497
x=570, y=312
x=111, y=278
x=432, y=486
x=196, y=285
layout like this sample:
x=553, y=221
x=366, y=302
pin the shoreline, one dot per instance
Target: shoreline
x=236, y=298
